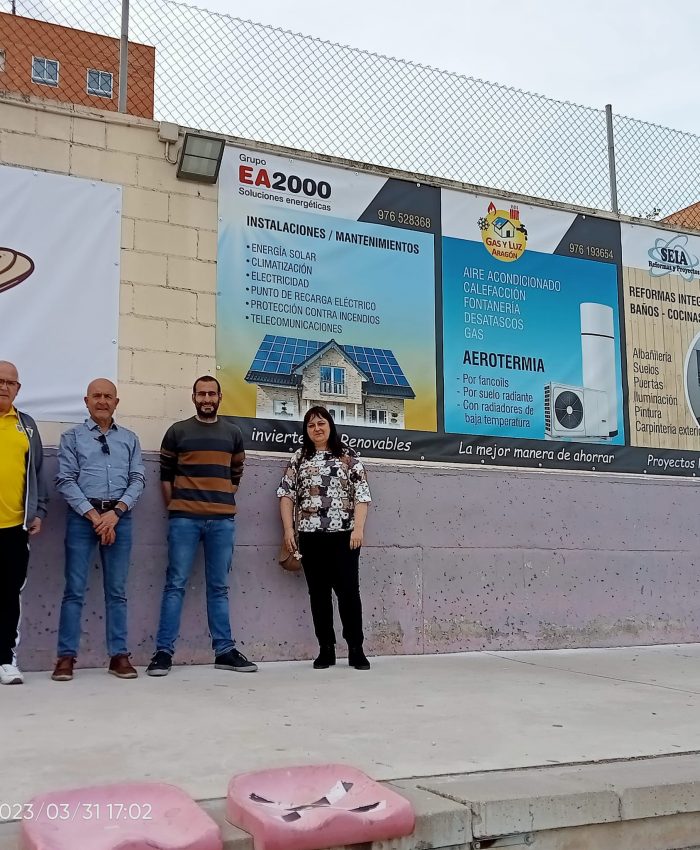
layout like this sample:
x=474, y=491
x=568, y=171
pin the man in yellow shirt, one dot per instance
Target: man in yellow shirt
x=23, y=499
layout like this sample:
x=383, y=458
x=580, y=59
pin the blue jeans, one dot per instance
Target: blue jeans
x=218, y=538
x=80, y=545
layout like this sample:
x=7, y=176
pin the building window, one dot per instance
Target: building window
x=2, y=61
x=99, y=83
x=377, y=417
x=283, y=408
x=332, y=380
x=44, y=71
x=337, y=415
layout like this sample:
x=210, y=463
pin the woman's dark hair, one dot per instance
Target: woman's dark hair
x=335, y=446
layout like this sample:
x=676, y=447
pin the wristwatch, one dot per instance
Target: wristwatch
x=119, y=512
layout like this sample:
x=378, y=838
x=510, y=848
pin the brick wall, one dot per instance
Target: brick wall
x=168, y=260
x=76, y=51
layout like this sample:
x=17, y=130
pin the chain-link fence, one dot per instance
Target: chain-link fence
x=235, y=77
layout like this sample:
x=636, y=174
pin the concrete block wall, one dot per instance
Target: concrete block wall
x=456, y=558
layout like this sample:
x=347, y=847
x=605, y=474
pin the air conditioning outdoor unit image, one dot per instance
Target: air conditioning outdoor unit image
x=575, y=412
x=588, y=412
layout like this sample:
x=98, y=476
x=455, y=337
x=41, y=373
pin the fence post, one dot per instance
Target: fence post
x=124, y=57
x=611, y=158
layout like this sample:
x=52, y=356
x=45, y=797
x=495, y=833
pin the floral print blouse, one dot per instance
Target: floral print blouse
x=325, y=490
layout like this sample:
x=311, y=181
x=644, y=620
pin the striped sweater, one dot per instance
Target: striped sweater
x=204, y=462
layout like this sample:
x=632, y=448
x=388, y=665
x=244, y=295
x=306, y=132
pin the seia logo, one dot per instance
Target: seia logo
x=673, y=256
x=503, y=234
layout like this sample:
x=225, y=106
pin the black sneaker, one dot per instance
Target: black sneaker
x=234, y=660
x=160, y=664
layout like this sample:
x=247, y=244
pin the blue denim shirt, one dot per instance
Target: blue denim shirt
x=86, y=472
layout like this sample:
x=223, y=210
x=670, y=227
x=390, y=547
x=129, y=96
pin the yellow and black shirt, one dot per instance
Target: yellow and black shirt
x=14, y=445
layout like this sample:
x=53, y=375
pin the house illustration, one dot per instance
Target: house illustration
x=504, y=227
x=358, y=385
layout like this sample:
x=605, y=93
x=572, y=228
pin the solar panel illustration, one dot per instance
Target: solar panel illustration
x=280, y=355
x=379, y=363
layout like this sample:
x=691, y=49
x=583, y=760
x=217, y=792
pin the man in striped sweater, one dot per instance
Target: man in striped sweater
x=201, y=463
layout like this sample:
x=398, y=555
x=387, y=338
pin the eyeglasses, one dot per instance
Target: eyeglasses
x=11, y=385
x=105, y=445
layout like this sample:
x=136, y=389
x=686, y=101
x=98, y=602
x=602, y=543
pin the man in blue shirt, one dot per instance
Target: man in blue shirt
x=100, y=475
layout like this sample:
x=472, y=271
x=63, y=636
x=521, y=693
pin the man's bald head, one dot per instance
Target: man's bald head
x=101, y=401
x=9, y=385
x=102, y=385
x=7, y=365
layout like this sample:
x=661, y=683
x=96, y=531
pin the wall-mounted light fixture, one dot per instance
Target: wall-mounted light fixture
x=200, y=158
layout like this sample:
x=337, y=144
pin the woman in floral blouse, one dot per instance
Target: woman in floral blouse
x=326, y=484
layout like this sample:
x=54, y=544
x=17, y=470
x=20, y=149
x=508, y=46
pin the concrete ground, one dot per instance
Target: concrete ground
x=424, y=716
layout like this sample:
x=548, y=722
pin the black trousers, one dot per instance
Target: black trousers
x=329, y=565
x=14, y=558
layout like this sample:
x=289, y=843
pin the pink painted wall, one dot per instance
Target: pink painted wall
x=455, y=559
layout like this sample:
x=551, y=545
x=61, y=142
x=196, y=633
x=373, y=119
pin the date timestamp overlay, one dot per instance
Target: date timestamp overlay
x=76, y=811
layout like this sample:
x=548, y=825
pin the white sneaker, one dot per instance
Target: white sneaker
x=10, y=674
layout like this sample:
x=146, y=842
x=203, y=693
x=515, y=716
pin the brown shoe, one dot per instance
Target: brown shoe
x=63, y=671
x=119, y=665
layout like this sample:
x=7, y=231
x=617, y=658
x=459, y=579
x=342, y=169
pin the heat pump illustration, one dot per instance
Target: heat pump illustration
x=598, y=356
x=588, y=411
x=575, y=412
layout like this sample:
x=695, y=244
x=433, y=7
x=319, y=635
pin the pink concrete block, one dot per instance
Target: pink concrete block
x=125, y=816
x=316, y=806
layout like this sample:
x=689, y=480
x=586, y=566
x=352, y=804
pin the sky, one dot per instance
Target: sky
x=638, y=55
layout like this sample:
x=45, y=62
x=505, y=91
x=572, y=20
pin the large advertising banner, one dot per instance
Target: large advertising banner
x=662, y=313
x=443, y=325
x=326, y=296
x=59, y=287
x=531, y=323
